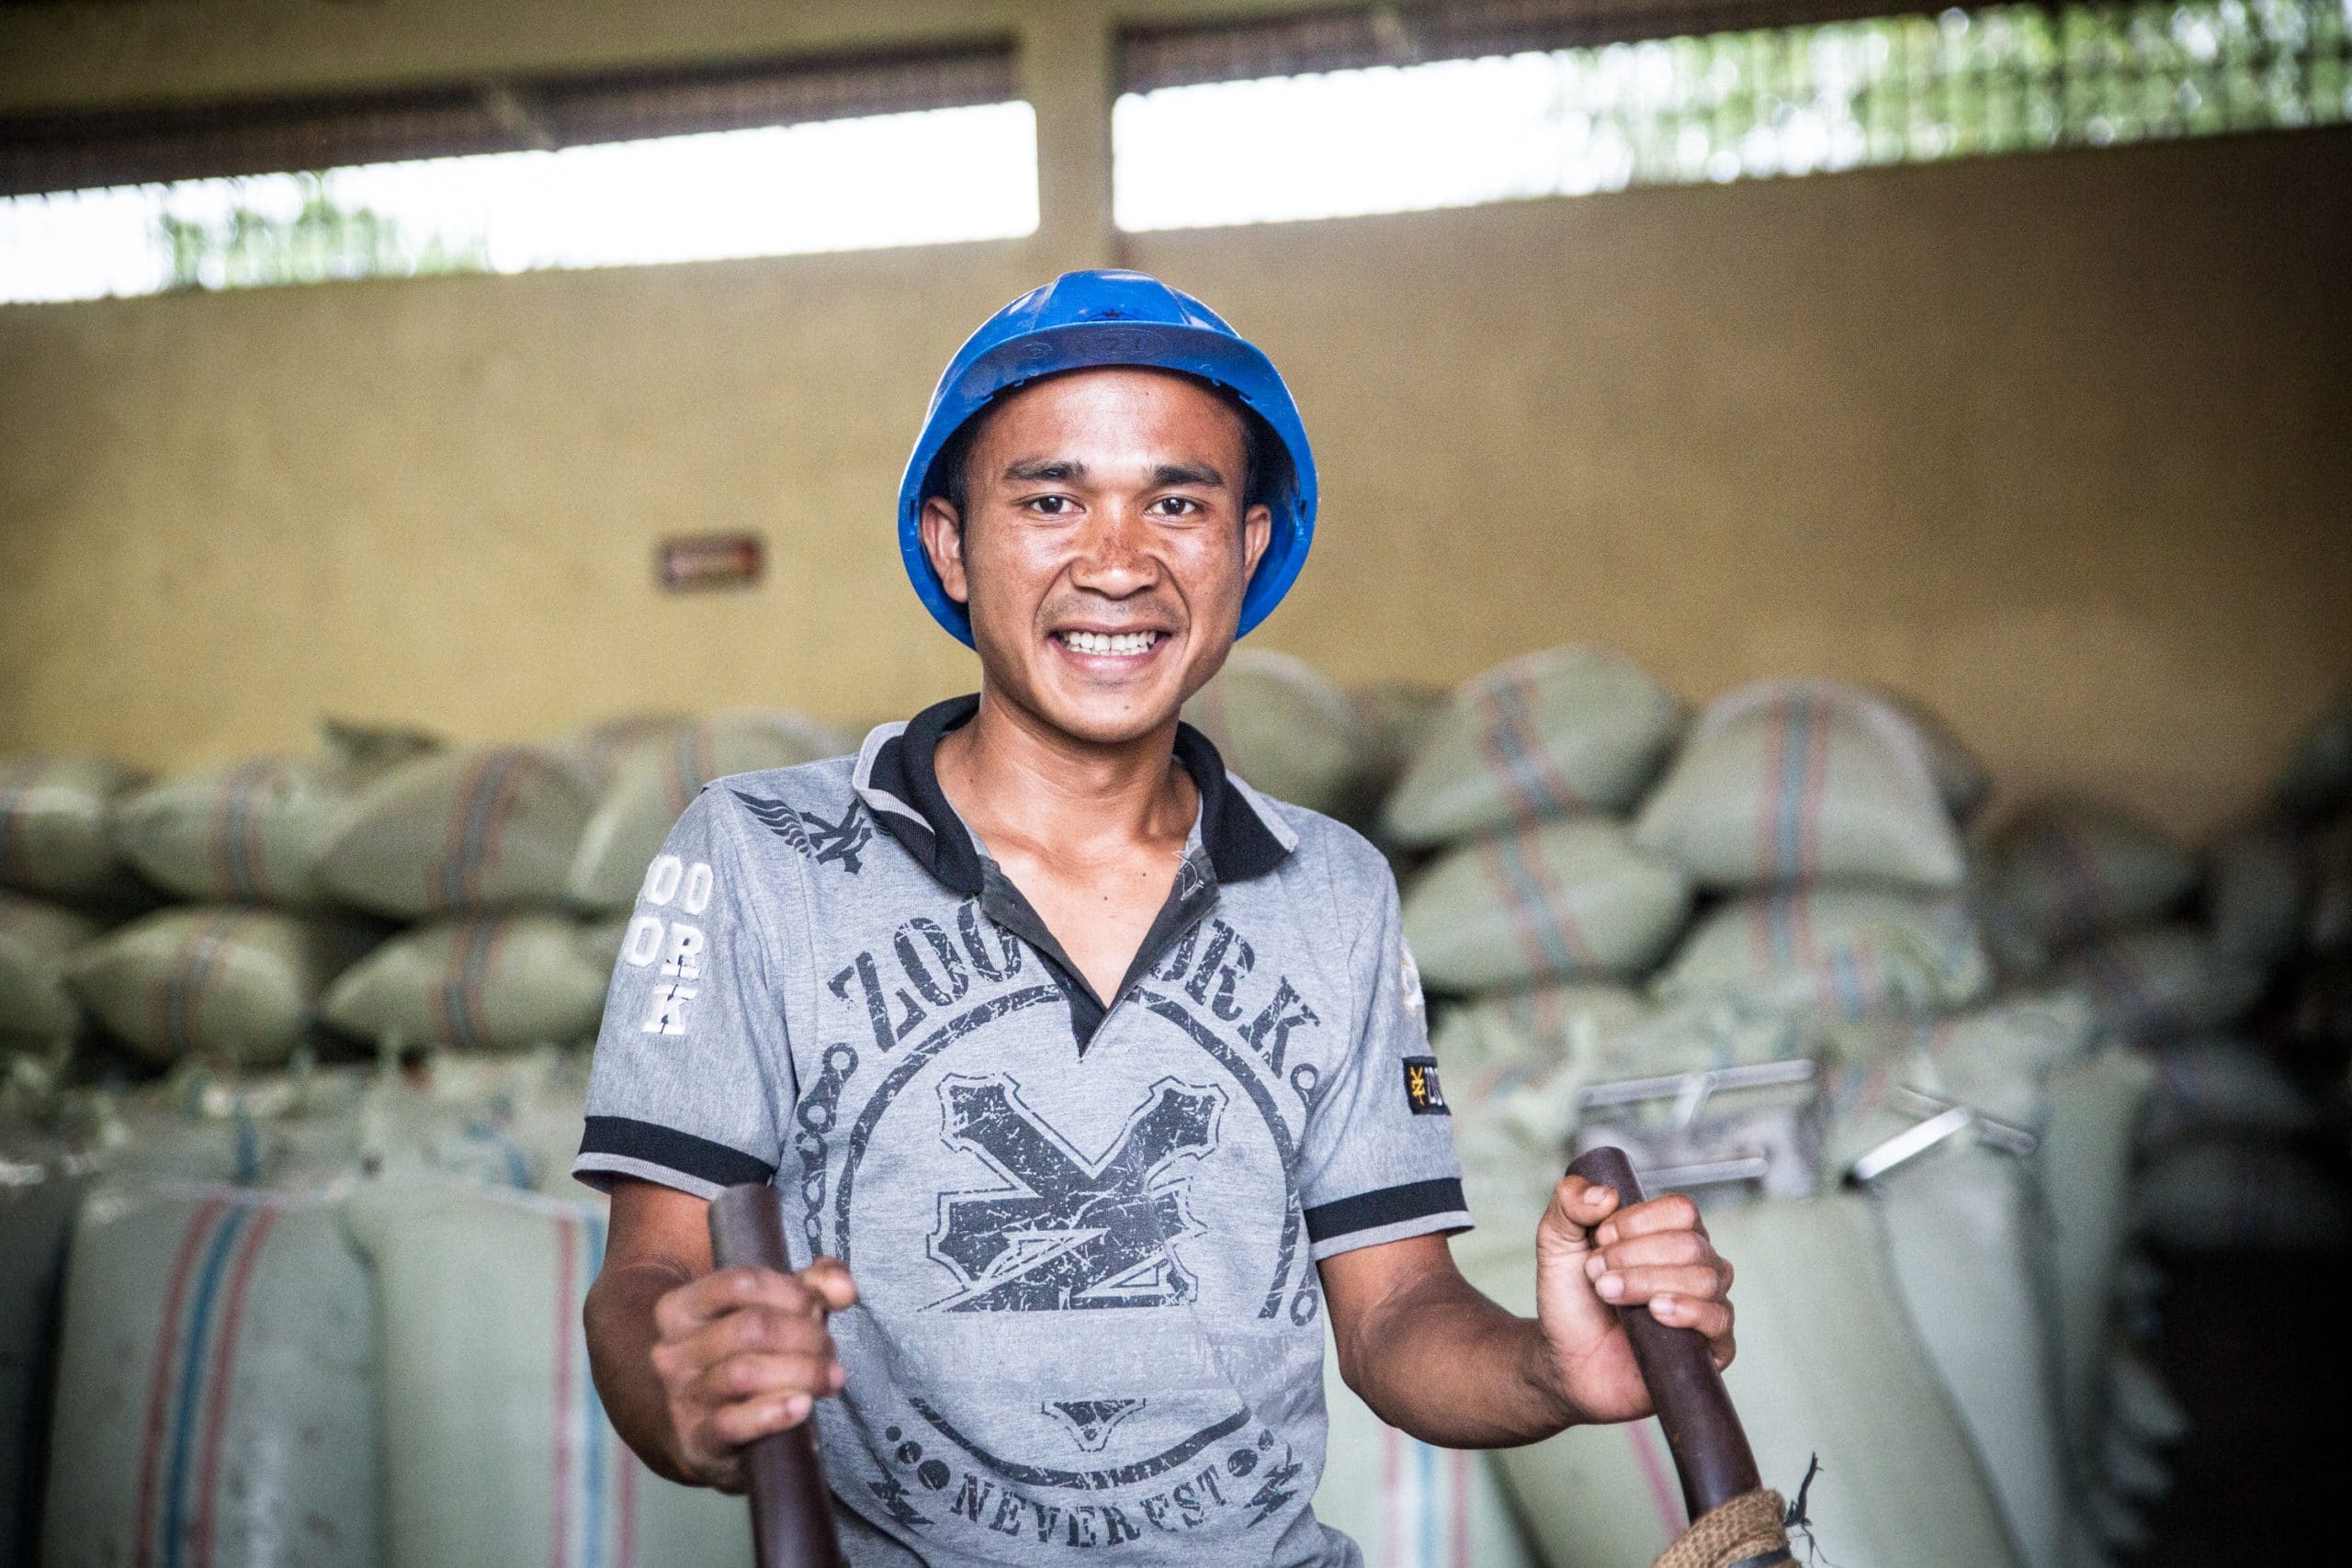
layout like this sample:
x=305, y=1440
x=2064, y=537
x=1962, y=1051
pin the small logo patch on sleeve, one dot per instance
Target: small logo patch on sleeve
x=1422, y=1094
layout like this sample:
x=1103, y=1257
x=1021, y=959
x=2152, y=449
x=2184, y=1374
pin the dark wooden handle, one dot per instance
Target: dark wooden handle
x=792, y=1517
x=1702, y=1430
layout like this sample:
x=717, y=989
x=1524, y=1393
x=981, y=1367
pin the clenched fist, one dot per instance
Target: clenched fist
x=1591, y=1257
x=741, y=1353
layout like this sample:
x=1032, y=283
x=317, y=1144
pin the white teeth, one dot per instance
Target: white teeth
x=1128, y=643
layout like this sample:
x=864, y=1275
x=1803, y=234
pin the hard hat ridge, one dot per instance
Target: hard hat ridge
x=1090, y=319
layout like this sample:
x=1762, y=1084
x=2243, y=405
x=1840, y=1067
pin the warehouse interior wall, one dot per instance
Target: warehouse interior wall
x=2057, y=443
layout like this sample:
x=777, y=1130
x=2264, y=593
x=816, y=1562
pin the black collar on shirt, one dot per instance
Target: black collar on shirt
x=1239, y=844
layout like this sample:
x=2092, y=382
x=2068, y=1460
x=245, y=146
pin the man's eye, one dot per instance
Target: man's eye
x=1178, y=505
x=1051, y=506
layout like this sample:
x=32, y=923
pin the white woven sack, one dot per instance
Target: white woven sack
x=1569, y=900
x=2062, y=872
x=1839, y=952
x=1289, y=731
x=592, y=750
x=54, y=837
x=2259, y=882
x=2096, y=1108
x=1568, y=730
x=225, y=981
x=2160, y=984
x=492, y=983
x=1403, y=1502
x=657, y=778
x=463, y=830
x=2228, y=1195
x=1962, y=777
x=1828, y=1367
x=496, y=1450
x=1796, y=781
x=1963, y=1234
x=37, y=941
x=216, y=1386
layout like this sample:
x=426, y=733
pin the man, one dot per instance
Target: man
x=1097, y=1077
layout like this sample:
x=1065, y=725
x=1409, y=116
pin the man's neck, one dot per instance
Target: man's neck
x=1023, y=786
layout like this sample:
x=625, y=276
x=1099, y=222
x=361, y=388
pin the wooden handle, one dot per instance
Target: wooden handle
x=1702, y=1430
x=792, y=1517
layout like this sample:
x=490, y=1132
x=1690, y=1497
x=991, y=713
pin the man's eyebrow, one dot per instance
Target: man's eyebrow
x=1045, y=470
x=1198, y=476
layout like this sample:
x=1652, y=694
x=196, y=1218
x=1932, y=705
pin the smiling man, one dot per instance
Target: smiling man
x=1097, y=1077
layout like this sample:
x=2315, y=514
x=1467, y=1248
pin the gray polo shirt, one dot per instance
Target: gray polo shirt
x=1084, y=1234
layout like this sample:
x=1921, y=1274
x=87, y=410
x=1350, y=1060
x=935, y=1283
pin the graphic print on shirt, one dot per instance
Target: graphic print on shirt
x=1061, y=1230
x=997, y=1195
x=827, y=844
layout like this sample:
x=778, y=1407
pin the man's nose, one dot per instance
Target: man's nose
x=1114, y=556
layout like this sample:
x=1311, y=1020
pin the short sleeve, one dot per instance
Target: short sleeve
x=692, y=1061
x=1377, y=1162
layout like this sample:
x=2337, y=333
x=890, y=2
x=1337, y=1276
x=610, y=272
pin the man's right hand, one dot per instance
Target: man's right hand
x=741, y=1353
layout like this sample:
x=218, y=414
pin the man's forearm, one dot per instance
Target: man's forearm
x=619, y=1318
x=1439, y=1360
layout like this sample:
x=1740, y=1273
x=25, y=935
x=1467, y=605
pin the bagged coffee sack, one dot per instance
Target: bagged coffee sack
x=53, y=839
x=230, y=982
x=2162, y=983
x=1396, y=718
x=495, y=1447
x=463, y=830
x=1828, y=1367
x=253, y=832
x=488, y=983
x=592, y=750
x=37, y=941
x=1288, y=731
x=655, y=780
x=1575, y=899
x=1842, y=951
x=1961, y=778
x=2063, y=872
x=1796, y=781
x=1571, y=730
x=217, y=1389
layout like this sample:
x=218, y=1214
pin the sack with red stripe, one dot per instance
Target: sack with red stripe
x=216, y=1386
x=53, y=838
x=657, y=778
x=496, y=1450
x=253, y=832
x=1828, y=1367
x=37, y=941
x=1796, y=781
x=1570, y=730
x=489, y=982
x=2162, y=983
x=1837, y=951
x=1570, y=900
x=463, y=830
x=234, y=984
x=1407, y=1504
x=2063, y=872
x=1288, y=731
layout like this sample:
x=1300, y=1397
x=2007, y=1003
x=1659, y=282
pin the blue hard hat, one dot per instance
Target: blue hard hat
x=1083, y=320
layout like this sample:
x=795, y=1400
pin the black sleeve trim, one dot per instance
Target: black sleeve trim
x=1389, y=1206
x=673, y=1150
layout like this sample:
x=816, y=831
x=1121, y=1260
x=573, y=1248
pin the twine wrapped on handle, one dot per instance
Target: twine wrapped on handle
x=1746, y=1532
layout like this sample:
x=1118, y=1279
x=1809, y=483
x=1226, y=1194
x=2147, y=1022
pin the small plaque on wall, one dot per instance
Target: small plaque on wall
x=710, y=560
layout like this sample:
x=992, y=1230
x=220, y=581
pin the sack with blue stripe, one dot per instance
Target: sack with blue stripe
x=227, y=983
x=1576, y=899
x=496, y=1450
x=1833, y=952
x=461, y=831
x=216, y=1394
x=1566, y=731
x=1789, y=783
x=488, y=983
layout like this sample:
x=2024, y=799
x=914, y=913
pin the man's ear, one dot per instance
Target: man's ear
x=1257, y=532
x=943, y=541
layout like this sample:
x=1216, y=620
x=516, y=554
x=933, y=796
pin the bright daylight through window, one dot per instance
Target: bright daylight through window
x=1730, y=106
x=966, y=172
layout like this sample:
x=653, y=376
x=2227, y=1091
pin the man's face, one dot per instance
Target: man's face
x=1104, y=549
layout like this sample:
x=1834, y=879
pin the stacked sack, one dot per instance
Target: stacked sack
x=1296, y=735
x=63, y=883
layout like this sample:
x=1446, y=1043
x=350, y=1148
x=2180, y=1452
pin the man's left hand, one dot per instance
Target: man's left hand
x=1593, y=1256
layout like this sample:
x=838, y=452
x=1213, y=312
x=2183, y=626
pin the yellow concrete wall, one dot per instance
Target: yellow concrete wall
x=2058, y=443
